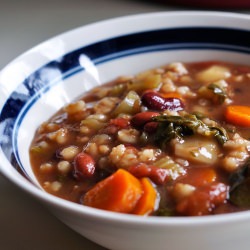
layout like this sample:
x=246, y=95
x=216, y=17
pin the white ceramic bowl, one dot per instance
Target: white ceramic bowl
x=38, y=83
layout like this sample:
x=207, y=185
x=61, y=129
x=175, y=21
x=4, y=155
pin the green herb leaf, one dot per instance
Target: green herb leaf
x=165, y=212
x=170, y=127
x=218, y=92
x=220, y=134
x=240, y=186
x=240, y=196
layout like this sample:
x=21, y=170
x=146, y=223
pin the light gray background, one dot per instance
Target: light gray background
x=24, y=223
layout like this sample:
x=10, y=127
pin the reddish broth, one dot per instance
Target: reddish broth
x=166, y=124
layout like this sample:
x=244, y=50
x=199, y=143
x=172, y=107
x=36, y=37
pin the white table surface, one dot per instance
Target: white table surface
x=24, y=223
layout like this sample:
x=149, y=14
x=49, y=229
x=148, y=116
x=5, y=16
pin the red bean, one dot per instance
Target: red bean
x=155, y=101
x=157, y=175
x=140, y=119
x=150, y=127
x=84, y=166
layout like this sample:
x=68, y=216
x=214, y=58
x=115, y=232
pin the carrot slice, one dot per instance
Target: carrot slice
x=119, y=192
x=171, y=95
x=147, y=203
x=238, y=115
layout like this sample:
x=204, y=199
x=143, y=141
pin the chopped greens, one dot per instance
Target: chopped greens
x=170, y=127
x=213, y=92
x=219, y=133
x=240, y=186
x=165, y=212
x=218, y=92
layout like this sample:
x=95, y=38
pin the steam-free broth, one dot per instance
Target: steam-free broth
x=171, y=141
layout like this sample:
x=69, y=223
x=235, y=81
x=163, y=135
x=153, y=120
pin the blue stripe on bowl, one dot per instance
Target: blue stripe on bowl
x=193, y=38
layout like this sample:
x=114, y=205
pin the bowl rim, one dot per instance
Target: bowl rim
x=98, y=214
x=67, y=34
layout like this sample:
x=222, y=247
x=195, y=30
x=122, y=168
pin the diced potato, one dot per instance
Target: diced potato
x=198, y=149
x=213, y=73
x=148, y=80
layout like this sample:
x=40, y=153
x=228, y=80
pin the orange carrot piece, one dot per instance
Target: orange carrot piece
x=119, y=192
x=238, y=115
x=171, y=95
x=147, y=203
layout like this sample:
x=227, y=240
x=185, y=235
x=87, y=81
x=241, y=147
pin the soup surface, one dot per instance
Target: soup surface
x=171, y=141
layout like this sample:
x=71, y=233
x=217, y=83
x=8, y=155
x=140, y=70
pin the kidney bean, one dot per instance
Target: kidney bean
x=140, y=170
x=155, y=101
x=150, y=127
x=84, y=166
x=157, y=175
x=140, y=119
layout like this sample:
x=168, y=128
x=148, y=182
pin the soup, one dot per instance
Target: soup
x=170, y=141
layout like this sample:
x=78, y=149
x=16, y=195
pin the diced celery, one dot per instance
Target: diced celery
x=93, y=123
x=40, y=148
x=213, y=92
x=118, y=89
x=129, y=105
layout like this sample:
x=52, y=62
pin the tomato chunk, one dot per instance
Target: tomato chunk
x=203, y=200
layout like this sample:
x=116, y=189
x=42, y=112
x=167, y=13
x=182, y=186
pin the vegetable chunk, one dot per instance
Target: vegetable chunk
x=203, y=200
x=238, y=115
x=170, y=141
x=148, y=201
x=213, y=73
x=119, y=192
x=198, y=149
